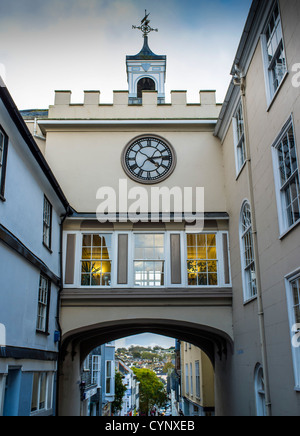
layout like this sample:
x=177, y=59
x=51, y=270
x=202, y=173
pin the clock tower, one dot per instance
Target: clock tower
x=146, y=71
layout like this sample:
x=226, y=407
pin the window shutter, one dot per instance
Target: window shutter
x=175, y=259
x=70, y=259
x=226, y=260
x=122, y=259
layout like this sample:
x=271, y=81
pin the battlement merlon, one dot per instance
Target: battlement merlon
x=150, y=107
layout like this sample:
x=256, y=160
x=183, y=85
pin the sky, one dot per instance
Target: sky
x=77, y=45
x=146, y=340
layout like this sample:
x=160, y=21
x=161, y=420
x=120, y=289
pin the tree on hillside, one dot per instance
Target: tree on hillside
x=167, y=366
x=152, y=391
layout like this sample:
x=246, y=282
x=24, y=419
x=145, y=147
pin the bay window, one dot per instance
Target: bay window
x=169, y=259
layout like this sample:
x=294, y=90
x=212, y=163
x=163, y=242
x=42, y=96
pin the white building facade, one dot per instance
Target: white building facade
x=31, y=207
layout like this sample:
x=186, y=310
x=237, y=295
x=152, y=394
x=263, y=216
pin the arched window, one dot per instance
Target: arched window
x=260, y=395
x=247, y=253
x=145, y=84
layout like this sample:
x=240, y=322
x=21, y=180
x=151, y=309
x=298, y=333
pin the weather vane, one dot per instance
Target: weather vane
x=144, y=27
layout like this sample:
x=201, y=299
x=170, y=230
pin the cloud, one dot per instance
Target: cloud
x=82, y=44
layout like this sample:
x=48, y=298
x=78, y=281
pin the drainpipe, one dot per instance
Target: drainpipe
x=240, y=80
x=35, y=131
x=63, y=218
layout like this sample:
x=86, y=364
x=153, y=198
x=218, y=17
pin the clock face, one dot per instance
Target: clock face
x=149, y=159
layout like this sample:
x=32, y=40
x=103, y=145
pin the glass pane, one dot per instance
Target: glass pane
x=43, y=385
x=35, y=389
x=212, y=266
x=97, y=241
x=191, y=240
x=201, y=240
x=213, y=279
x=139, y=253
x=159, y=254
x=159, y=240
x=108, y=369
x=106, y=274
x=202, y=279
x=202, y=267
x=108, y=385
x=95, y=280
x=50, y=390
x=96, y=267
x=149, y=253
x=85, y=280
x=149, y=273
x=201, y=253
x=107, y=241
x=142, y=241
x=86, y=253
x=211, y=240
x=86, y=240
x=191, y=253
x=86, y=267
x=97, y=254
x=212, y=253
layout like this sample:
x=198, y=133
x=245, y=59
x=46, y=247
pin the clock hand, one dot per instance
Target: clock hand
x=152, y=161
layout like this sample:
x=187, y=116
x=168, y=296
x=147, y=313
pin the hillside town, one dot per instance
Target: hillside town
x=115, y=382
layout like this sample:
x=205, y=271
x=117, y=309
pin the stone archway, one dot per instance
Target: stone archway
x=78, y=343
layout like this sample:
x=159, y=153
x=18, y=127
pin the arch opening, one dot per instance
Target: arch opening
x=145, y=84
x=79, y=343
x=213, y=342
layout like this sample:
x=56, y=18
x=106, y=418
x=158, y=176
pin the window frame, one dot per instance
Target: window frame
x=289, y=280
x=268, y=71
x=111, y=377
x=219, y=259
x=3, y=163
x=197, y=380
x=47, y=237
x=246, y=268
x=112, y=259
x=191, y=379
x=48, y=393
x=96, y=370
x=46, y=306
x=239, y=142
x=187, y=379
x=260, y=394
x=166, y=260
x=280, y=188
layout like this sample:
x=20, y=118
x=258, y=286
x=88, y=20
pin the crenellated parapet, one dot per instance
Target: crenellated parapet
x=148, y=107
